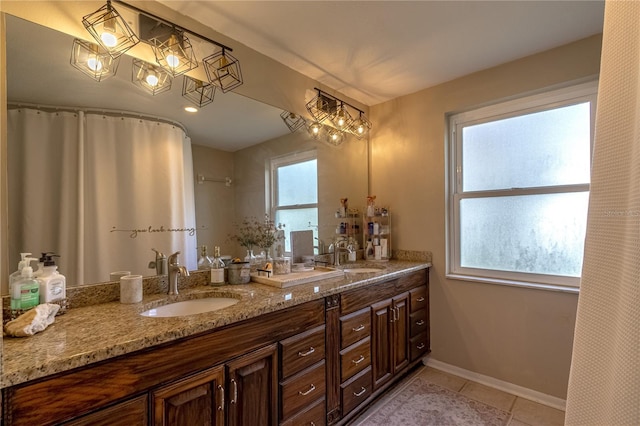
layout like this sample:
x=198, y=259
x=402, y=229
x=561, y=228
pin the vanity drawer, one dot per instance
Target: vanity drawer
x=354, y=327
x=419, y=345
x=356, y=391
x=302, y=350
x=302, y=390
x=315, y=415
x=355, y=358
x=419, y=298
x=418, y=322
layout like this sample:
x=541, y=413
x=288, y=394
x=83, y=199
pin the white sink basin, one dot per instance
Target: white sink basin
x=190, y=307
x=362, y=270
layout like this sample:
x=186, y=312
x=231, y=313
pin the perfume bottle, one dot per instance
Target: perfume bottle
x=204, y=261
x=217, y=268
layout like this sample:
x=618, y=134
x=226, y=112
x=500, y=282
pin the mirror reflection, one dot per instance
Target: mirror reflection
x=221, y=165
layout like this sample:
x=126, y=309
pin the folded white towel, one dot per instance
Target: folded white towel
x=33, y=321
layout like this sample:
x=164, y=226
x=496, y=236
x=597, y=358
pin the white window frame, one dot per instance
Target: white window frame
x=287, y=160
x=513, y=108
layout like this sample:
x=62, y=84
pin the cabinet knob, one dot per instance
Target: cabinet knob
x=420, y=345
x=235, y=392
x=420, y=323
x=307, y=392
x=420, y=299
x=307, y=353
x=359, y=328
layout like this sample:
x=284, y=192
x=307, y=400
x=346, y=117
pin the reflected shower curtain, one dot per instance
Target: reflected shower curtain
x=604, y=384
x=102, y=191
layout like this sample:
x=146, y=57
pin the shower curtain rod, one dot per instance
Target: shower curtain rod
x=102, y=111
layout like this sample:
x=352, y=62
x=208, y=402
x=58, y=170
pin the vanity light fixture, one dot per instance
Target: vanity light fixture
x=110, y=30
x=152, y=78
x=335, y=137
x=361, y=126
x=198, y=92
x=315, y=129
x=292, y=120
x=341, y=118
x=93, y=60
x=223, y=70
x=175, y=54
x=321, y=106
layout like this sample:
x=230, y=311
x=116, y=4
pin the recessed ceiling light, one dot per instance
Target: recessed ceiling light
x=191, y=109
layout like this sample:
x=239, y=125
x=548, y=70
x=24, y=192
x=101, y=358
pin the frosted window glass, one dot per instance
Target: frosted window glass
x=536, y=234
x=540, y=149
x=297, y=220
x=298, y=184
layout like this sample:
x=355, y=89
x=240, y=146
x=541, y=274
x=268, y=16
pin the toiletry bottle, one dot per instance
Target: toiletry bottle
x=53, y=285
x=41, y=261
x=17, y=275
x=26, y=291
x=370, y=251
x=204, y=261
x=217, y=268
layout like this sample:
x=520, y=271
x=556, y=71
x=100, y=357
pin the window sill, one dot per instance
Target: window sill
x=510, y=283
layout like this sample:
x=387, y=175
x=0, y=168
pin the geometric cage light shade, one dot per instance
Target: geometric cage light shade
x=93, y=60
x=360, y=127
x=292, y=120
x=152, y=78
x=110, y=30
x=175, y=54
x=223, y=70
x=198, y=92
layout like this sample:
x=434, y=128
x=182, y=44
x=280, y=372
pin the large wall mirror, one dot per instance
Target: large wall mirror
x=234, y=137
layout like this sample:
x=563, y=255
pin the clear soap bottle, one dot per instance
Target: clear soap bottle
x=204, y=261
x=217, y=268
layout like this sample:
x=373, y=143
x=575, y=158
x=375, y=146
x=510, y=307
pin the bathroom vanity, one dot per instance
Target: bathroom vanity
x=314, y=354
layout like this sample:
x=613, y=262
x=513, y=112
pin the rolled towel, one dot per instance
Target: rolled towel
x=33, y=321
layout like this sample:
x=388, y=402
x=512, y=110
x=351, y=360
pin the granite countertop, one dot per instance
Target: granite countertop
x=95, y=333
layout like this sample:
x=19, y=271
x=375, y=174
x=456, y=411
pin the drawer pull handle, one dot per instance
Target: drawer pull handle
x=420, y=345
x=221, y=406
x=359, y=394
x=420, y=323
x=307, y=353
x=420, y=299
x=311, y=389
x=359, y=328
x=235, y=392
x=358, y=361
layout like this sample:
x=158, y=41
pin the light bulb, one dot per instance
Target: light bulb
x=191, y=109
x=152, y=80
x=109, y=39
x=94, y=64
x=172, y=60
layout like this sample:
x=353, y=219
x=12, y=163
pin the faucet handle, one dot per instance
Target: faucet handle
x=173, y=259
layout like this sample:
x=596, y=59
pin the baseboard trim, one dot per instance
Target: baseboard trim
x=520, y=391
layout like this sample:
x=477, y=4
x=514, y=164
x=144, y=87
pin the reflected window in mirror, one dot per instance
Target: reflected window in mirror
x=294, y=186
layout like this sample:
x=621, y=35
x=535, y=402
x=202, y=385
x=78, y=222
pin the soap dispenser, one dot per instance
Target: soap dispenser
x=25, y=293
x=52, y=283
x=25, y=260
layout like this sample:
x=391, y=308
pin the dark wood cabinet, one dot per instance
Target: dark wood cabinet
x=253, y=388
x=127, y=413
x=389, y=338
x=195, y=400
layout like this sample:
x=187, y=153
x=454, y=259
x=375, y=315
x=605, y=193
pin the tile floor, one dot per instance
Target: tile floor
x=524, y=412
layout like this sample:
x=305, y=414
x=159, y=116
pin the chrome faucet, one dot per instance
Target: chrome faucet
x=175, y=269
x=339, y=246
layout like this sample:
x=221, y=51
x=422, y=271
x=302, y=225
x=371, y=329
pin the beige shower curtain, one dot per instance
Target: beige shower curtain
x=604, y=384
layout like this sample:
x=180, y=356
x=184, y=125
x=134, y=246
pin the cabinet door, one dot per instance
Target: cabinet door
x=195, y=400
x=381, y=338
x=253, y=388
x=400, y=320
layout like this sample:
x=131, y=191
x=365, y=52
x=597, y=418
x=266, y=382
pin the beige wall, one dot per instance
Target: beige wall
x=522, y=336
x=214, y=200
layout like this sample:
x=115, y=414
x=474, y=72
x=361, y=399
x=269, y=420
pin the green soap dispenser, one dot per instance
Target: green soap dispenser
x=25, y=293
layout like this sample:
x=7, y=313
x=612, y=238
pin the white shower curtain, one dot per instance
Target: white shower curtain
x=604, y=384
x=100, y=190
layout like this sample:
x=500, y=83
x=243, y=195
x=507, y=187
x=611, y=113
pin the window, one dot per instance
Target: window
x=519, y=189
x=294, y=179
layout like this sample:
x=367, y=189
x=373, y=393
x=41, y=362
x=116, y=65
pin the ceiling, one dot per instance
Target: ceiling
x=371, y=51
